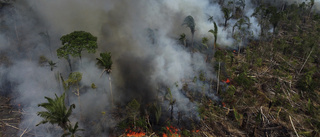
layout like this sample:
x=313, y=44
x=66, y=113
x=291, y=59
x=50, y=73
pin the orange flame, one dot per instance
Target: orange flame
x=234, y=51
x=131, y=133
x=223, y=104
x=196, y=130
x=173, y=132
x=227, y=81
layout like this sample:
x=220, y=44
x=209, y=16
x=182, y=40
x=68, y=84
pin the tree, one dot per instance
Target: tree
x=219, y=56
x=183, y=39
x=189, y=22
x=205, y=42
x=172, y=101
x=56, y=112
x=72, y=131
x=52, y=64
x=106, y=63
x=311, y=5
x=215, y=34
x=74, y=43
x=133, y=110
x=262, y=15
x=242, y=31
x=227, y=16
x=73, y=81
x=275, y=17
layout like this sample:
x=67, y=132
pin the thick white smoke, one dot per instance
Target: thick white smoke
x=139, y=65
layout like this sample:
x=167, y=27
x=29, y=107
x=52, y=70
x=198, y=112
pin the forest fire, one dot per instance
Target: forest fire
x=172, y=132
x=226, y=81
x=131, y=133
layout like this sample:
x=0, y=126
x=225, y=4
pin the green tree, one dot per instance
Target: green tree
x=56, y=112
x=133, y=110
x=106, y=63
x=215, y=34
x=76, y=42
x=52, y=64
x=72, y=131
x=73, y=81
x=183, y=39
x=205, y=42
x=227, y=16
x=242, y=31
x=172, y=101
x=262, y=15
x=189, y=22
x=311, y=5
x=275, y=17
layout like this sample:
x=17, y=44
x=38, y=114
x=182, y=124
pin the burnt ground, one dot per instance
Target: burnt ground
x=9, y=118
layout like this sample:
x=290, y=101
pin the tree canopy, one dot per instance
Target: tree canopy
x=75, y=42
x=56, y=112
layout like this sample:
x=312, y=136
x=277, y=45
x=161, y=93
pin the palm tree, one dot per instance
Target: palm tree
x=205, y=42
x=189, y=22
x=72, y=131
x=106, y=63
x=215, y=34
x=183, y=39
x=52, y=64
x=56, y=112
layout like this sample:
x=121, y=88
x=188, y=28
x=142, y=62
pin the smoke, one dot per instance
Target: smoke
x=143, y=63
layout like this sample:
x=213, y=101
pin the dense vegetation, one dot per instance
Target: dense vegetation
x=267, y=85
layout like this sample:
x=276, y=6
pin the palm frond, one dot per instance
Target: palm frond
x=189, y=22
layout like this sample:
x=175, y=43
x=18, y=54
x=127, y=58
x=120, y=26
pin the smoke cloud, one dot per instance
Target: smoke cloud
x=143, y=64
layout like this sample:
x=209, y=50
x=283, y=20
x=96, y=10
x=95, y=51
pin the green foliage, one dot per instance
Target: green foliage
x=227, y=15
x=93, y=86
x=74, y=78
x=238, y=116
x=182, y=38
x=244, y=81
x=185, y=133
x=259, y=62
x=219, y=55
x=189, y=22
x=307, y=82
x=231, y=90
x=56, y=112
x=215, y=33
x=157, y=112
x=310, y=106
x=202, y=76
x=52, y=64
x=42, y=60
x=76, y=42
x=105, y=61
x=133, y=107
x=205, y=41
x=72, y=131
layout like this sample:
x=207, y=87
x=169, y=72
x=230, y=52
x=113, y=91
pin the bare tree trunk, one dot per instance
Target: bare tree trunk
x=78, y=94
x=69, y=62
x=192, y=40
x=111, y=90
x=218, y=81
x=305, y=61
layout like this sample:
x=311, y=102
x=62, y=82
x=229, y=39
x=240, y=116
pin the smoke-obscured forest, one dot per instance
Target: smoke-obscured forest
x=159, y=68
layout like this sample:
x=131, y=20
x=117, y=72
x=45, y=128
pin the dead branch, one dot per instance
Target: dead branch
x=305, y=61
x=295, y=131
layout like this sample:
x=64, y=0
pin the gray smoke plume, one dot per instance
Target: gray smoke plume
x=141, y=36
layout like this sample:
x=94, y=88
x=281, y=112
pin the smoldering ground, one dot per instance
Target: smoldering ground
x=32, y=28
